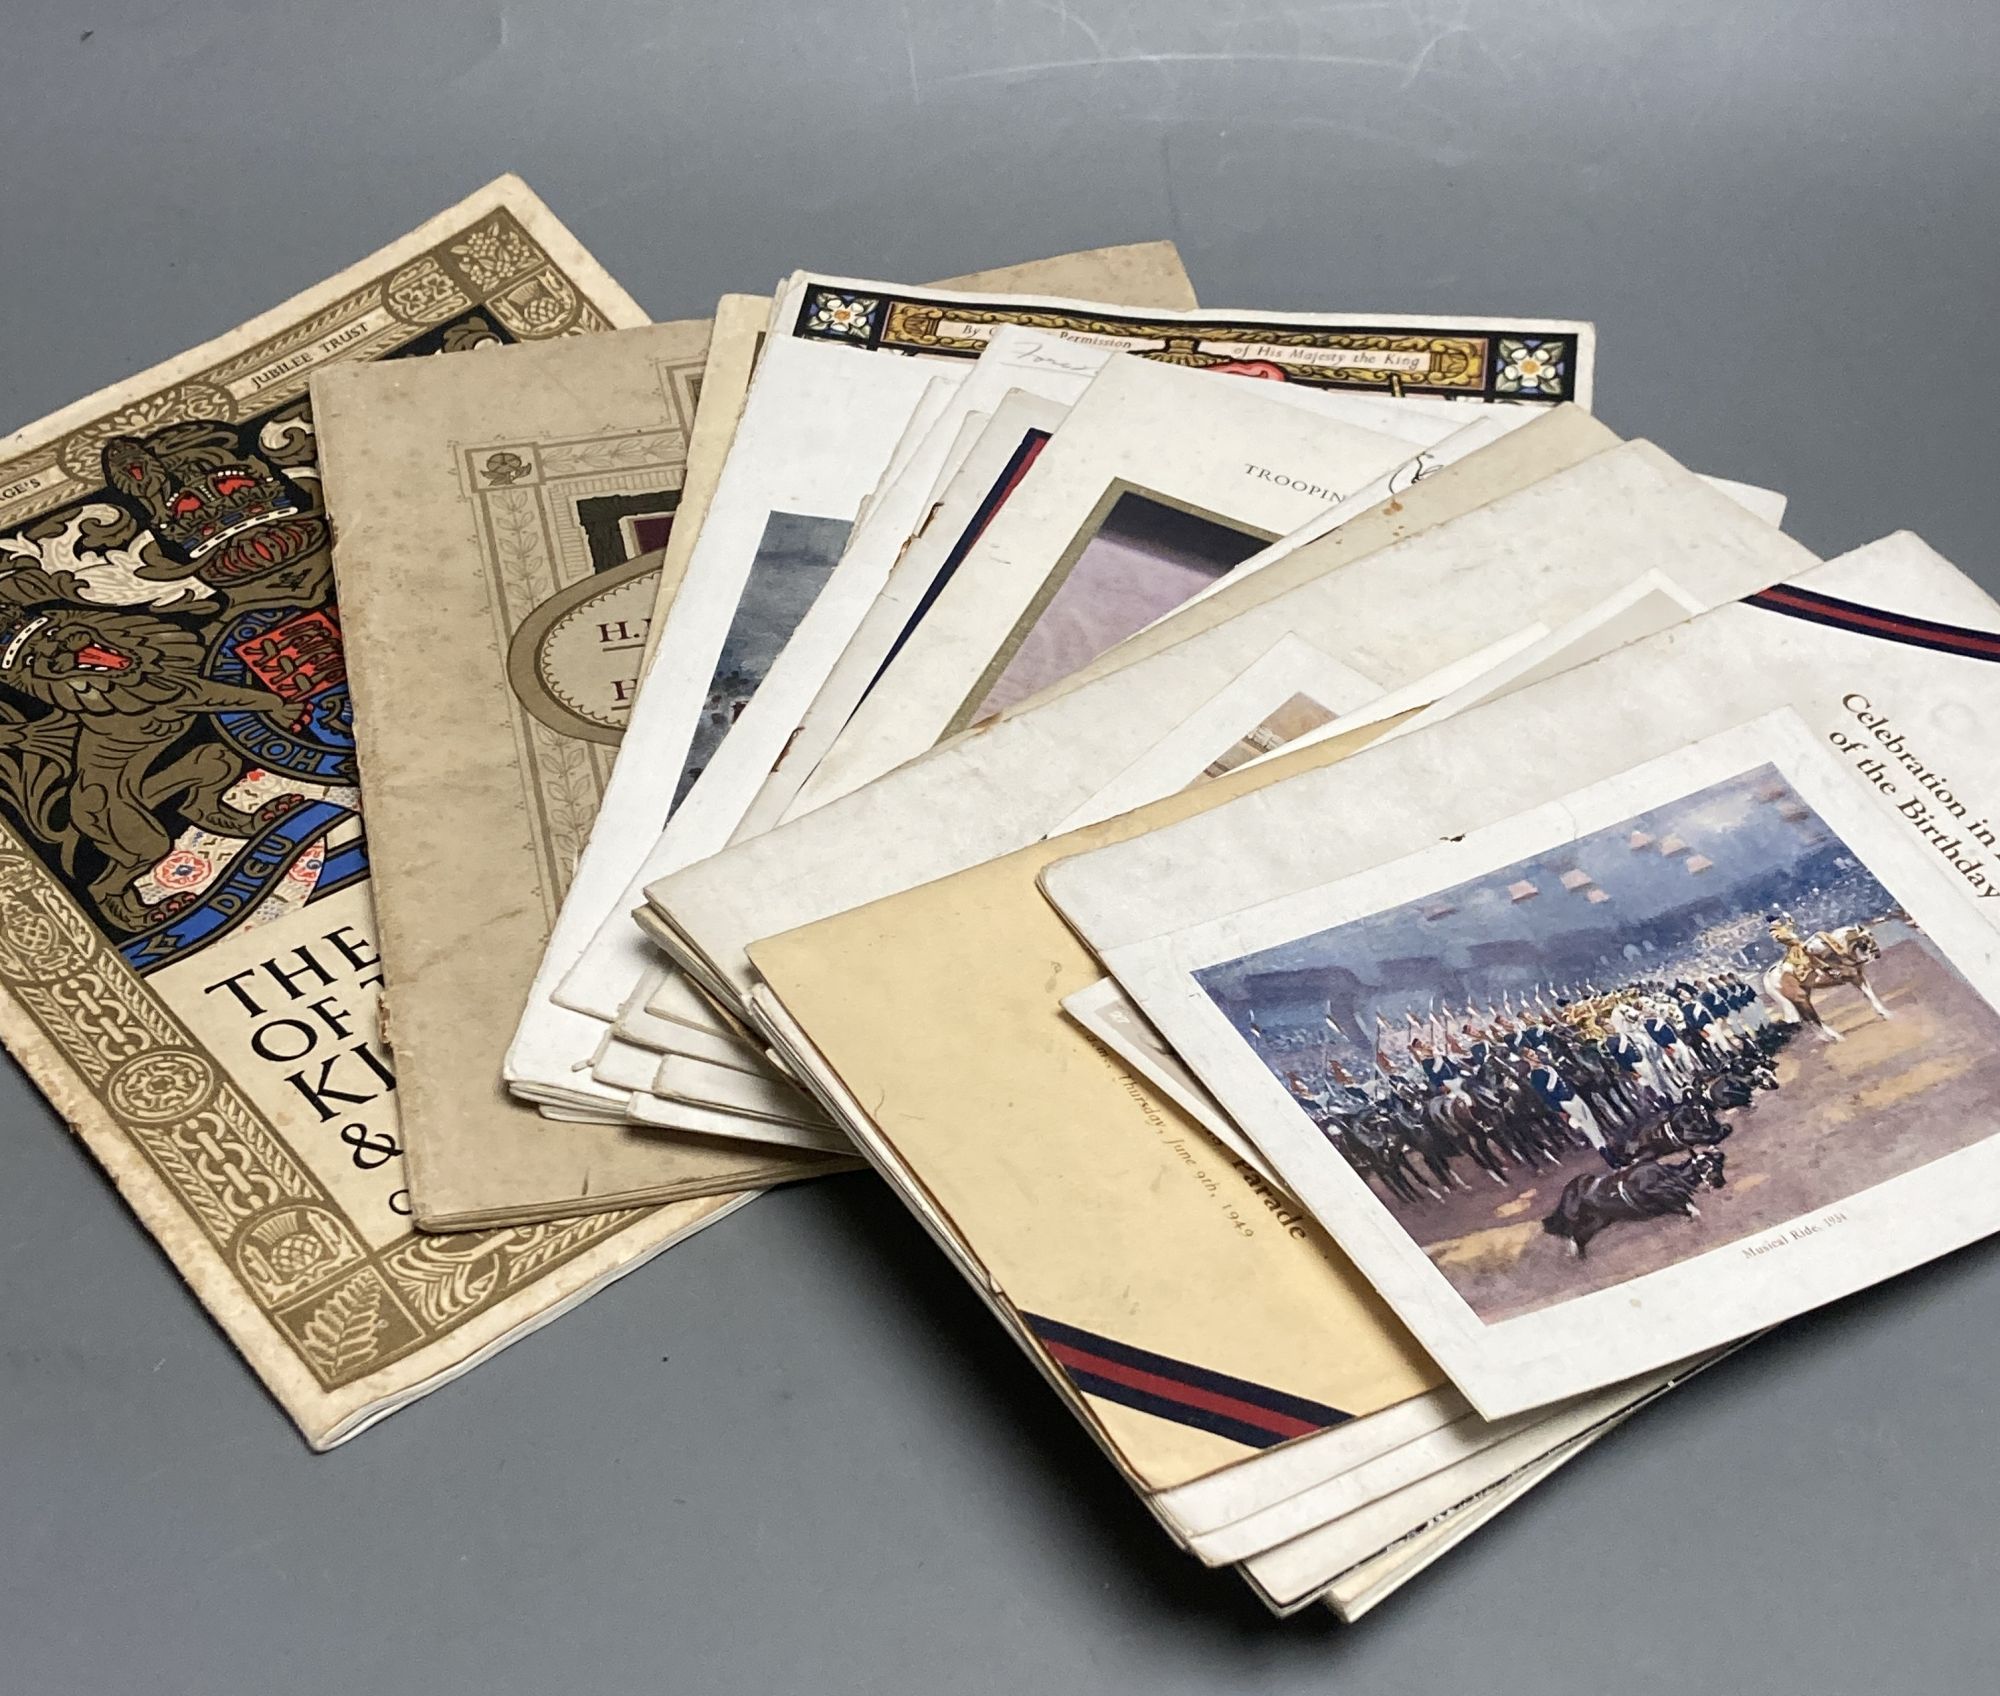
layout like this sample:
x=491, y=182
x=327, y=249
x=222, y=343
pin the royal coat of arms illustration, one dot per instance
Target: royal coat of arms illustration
x=175, y=734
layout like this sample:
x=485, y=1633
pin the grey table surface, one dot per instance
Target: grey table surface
x=794, y=1454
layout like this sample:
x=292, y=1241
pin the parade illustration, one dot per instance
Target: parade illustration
x=1589, y=1064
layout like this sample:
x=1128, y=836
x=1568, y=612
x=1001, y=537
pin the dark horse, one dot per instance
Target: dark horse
x=1695, y=1121
x=1650, y=1190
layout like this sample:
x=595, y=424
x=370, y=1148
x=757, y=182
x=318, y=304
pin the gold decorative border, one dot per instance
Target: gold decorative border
x=535, y=548
x=1450, y=362
x=345, y=1309
x=1527, y=362
x=519, y=285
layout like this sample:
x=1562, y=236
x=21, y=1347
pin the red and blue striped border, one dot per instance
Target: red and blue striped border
x=1831, y=610
x=1251, y=1414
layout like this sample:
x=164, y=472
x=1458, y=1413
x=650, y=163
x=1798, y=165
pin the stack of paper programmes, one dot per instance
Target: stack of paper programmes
x=1379, y=925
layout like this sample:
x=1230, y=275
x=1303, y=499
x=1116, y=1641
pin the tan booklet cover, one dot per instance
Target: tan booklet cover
x=483, y=511
x=188, y=959
x=718, y=391
x=1138, y=273
x=1073, y=1178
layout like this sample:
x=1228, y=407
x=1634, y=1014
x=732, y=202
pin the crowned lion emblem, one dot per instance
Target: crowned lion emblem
x=105, y=755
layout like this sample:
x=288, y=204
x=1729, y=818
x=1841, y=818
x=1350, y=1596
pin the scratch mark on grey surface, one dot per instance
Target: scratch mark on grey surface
x=1167, y=174
x=1060, y=10
x=1422, y=56
x=1038, y=67
x=910, y=55
x=489, y=48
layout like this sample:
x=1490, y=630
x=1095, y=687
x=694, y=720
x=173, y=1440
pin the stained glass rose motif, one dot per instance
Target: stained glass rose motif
x=183, y=869
x=843, y=315
x=1530, y=367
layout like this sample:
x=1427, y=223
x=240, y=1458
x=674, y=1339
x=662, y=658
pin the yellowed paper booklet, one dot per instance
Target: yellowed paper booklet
x=484, y=509
x=189, y=966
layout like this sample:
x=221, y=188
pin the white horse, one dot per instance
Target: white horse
x=1834, y=957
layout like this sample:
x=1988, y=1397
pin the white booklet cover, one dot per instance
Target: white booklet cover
x=1707, y=992
x=1190, y=512
x=885, y=593
x=1159, y=484
x=1549, y=551
x=807, y=619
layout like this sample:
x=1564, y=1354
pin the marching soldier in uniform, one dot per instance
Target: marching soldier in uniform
x=1695, y=1018
x=1304, y=1094
x=1717, y=997
x=1444, y=1074
x=1628, y=1054
x=1667, y=1039
x=1560, y=1093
